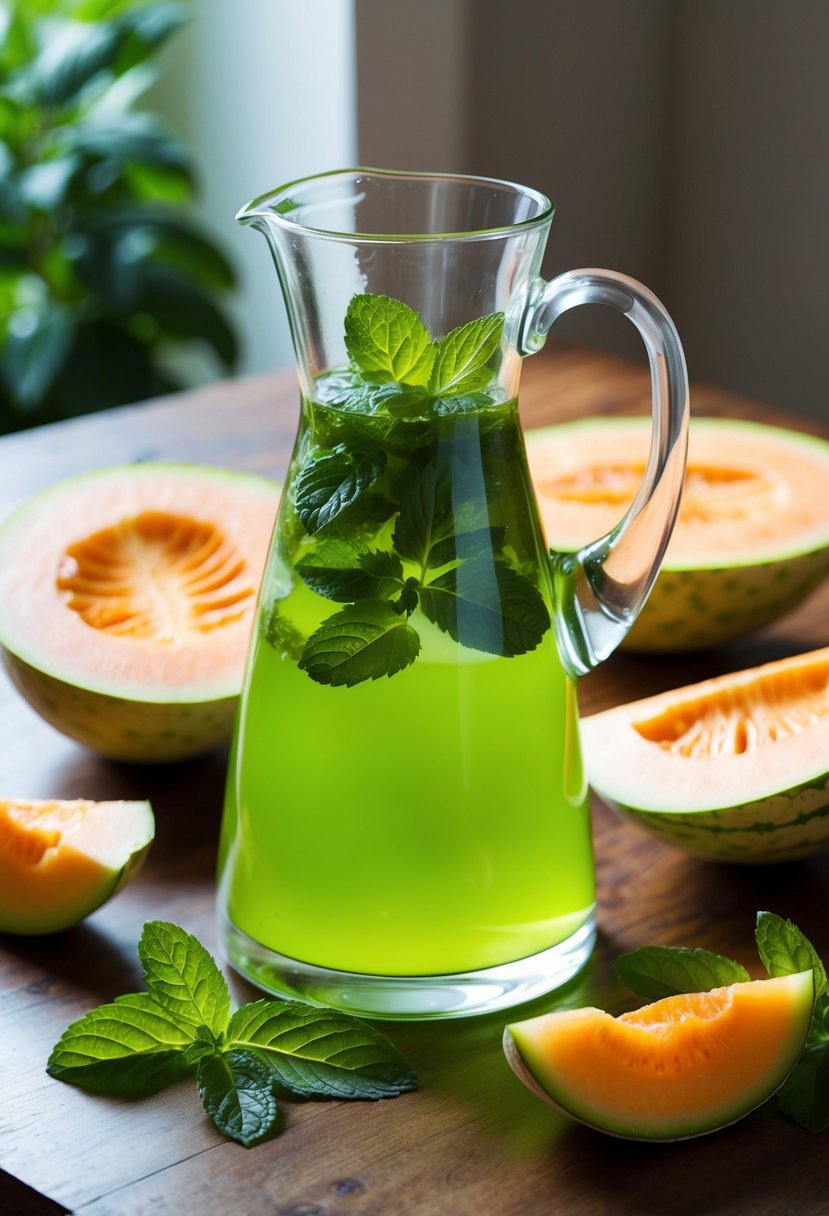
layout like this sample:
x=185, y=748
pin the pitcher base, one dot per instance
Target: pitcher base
x=409, y=997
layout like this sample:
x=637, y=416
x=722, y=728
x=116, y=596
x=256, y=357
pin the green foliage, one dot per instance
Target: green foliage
x=660, y=971
x=391, y=402
x=142, y=1042
x=102, y=270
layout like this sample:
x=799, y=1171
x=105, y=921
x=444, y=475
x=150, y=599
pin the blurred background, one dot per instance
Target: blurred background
x=684, y=142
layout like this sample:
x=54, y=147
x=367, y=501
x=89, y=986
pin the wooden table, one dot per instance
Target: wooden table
x=472, y=1140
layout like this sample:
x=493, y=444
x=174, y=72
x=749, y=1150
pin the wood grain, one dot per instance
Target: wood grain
x=472, y=1140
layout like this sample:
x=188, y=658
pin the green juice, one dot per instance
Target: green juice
x=428, y=813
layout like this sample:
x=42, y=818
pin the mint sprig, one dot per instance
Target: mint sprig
x=387, y=342
x=659, y=971
x=389, y=452
x=142, y=1042
x=656, y=971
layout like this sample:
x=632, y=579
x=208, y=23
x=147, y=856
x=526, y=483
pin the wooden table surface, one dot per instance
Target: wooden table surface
x=472, y=1139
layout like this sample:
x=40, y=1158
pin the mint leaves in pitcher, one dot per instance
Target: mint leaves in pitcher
x=387, y=341
x=413, y=500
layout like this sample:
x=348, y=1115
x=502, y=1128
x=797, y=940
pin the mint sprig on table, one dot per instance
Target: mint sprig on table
x=444, y=559
x=659, y=971
x=242, y=1062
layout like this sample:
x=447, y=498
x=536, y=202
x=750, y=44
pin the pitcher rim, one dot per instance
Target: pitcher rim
x=261, y=207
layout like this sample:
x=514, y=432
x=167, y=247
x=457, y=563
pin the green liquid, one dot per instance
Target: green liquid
x=431, y=822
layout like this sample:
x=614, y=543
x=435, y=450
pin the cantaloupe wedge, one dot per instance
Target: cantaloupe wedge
x=735, y=768
x=60, y=860
x=677, y=1068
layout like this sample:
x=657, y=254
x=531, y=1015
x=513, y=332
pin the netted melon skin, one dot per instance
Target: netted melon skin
x=137, y=732
x=699, y=609
x=784, y=827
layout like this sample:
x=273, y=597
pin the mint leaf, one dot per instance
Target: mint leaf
x=386, y=340
x=462, y=545
x=183, y=977
x=329, y=484
x=786, y=951
x=657, y=971
x=346, y=391
x=804, y=1095
x=237, y=1091
x=384, y=566
x=462, y=403
x=317, y=1052
x=344, y=572
x=425, y=515
x=487, y=606
x=363, y=641
x=127, y=1049
x=406, y=401
x=460, y=364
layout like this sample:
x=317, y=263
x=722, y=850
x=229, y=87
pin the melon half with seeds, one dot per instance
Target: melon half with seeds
x=680, y=1067
x=126, y=601
x=735, y=768
x=752, y=536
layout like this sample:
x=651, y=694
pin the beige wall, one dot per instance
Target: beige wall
x=260, y=99
x=685, y=142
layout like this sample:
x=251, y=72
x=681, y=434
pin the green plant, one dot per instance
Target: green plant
x=102, y=270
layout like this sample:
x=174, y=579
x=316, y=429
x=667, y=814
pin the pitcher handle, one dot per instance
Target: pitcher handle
x=601, y=589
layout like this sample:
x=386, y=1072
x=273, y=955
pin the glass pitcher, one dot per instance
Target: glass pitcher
x=406, y=830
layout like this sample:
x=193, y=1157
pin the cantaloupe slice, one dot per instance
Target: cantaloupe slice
x=126, y=602
x=752, y=535
x=735, y=768
x=60, y=860
x=678, y=1068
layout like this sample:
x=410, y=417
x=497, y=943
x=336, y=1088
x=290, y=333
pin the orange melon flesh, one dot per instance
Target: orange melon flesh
x=129, y=578
x=126, y=603
x=677, y=1068
x=60, y=860
x=750, y=491
x=738, y=736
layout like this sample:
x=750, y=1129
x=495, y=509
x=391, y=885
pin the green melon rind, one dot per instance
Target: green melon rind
x=694, y=607
x=783, y=827
x=137, y=732
x=699, y=609
x=527, y=1061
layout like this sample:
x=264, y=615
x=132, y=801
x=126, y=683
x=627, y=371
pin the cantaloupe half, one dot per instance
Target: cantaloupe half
x=735, y=768
x=681, y=1067
x=126, y=602
x=752, y=536
x=60, y=860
